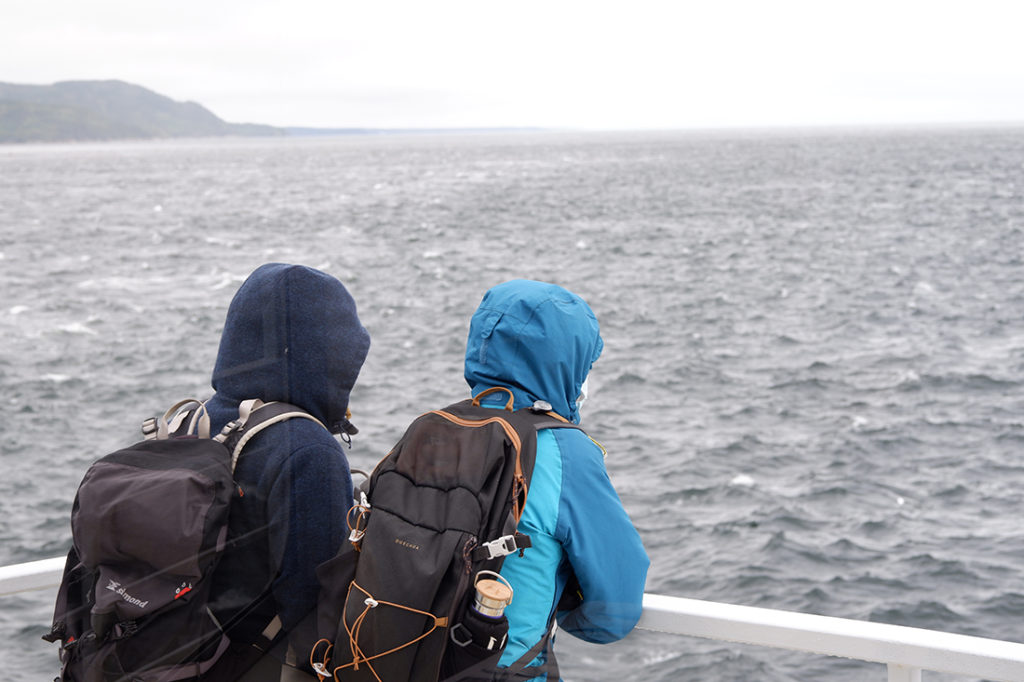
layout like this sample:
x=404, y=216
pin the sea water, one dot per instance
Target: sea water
x=812, y=389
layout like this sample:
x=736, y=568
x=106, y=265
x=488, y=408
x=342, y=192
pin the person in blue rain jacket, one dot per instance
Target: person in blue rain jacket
x=291, y=334
x=587, y=566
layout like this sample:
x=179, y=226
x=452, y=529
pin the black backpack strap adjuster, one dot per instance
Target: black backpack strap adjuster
x=460, y=635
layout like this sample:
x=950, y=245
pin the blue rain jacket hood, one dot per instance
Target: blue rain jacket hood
x=292, y=334
x=537, y=339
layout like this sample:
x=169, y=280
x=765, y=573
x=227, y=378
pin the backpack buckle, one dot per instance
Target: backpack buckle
x=149, y=428
x=502, y=547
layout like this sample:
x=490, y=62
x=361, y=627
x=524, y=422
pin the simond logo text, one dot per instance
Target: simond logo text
x=116, y=588
x=404, y=543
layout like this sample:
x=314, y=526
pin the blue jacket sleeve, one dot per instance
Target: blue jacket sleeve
x=306, y=511
x=602, y=546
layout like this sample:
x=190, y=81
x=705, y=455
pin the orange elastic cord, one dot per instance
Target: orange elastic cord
x=322, y=664
x=358, y=656
x=358, y=528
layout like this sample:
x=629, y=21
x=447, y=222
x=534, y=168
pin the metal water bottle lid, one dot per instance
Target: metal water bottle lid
x=492, y=596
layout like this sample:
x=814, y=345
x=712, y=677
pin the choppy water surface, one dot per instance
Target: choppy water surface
x=812, y=392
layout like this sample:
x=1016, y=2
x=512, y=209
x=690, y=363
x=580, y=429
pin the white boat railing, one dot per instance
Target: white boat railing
x=906, y=651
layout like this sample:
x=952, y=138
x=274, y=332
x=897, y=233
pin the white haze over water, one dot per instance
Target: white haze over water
x=812, y=384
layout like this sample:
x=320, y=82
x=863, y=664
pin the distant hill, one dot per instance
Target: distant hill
x=106, y=110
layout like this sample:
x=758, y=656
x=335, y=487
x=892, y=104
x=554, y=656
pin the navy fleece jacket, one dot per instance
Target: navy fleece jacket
x=291, y=334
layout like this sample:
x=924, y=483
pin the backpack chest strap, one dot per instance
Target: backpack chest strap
x=501, y=547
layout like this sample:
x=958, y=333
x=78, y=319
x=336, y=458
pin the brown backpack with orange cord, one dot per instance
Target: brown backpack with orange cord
x=435, y=520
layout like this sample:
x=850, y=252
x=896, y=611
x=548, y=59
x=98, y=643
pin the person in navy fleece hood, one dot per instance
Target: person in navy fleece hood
x=291, y=334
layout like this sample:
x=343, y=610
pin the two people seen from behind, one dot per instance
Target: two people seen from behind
x=292, y=335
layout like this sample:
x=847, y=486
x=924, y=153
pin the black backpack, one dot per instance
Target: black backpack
x=148, y=525
x=438, y=513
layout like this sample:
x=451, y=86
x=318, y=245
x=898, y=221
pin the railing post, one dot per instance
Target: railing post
x=903, y=673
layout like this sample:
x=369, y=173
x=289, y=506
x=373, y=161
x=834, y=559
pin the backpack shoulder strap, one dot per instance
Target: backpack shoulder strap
x=254, y=416
x=542, y=417
x=549, y=420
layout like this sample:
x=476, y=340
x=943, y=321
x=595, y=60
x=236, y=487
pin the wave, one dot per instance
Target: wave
x=958, y=382
x=927, y=613
x=77, y=328
x=627, y=379
x=814, y=384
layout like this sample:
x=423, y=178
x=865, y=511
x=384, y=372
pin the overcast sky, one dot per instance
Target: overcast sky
x=559, y=63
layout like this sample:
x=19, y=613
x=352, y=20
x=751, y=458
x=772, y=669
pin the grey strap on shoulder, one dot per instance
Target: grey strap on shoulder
x=254, y=416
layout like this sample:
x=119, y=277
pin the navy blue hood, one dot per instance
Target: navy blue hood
x=292, y=334
x=537, y=339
